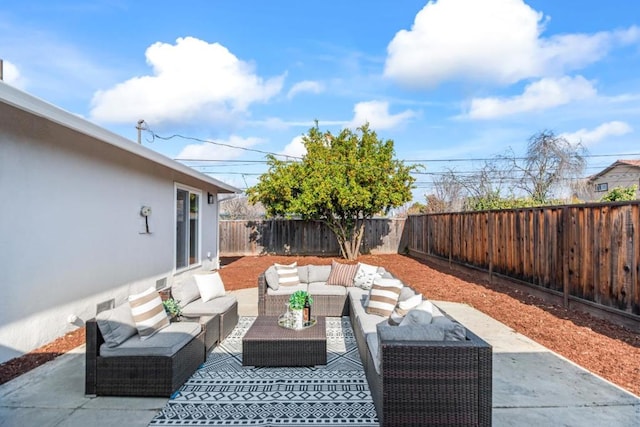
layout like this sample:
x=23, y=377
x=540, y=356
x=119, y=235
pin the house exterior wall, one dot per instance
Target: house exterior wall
x=618, y=176
x=71, y=234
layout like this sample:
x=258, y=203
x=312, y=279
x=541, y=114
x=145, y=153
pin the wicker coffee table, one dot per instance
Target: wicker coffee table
x=268, y=344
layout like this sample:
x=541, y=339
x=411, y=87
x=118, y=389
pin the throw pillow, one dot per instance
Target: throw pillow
x=271, y=276
x=209, y=285
x=116, y=325
x=383, y=296
x=288, y=274
x=416, y=318
x=148, y=312
x=365, y=275
x=453, y=331
x=403, y=308
x=342, y=274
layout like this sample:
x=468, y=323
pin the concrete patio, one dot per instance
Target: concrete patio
x=531, y=386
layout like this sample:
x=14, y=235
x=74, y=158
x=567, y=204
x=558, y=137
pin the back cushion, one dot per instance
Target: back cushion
x=116, y=325
x=319, y=273
x=185, y=291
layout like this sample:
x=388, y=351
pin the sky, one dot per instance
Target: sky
x=451, y=82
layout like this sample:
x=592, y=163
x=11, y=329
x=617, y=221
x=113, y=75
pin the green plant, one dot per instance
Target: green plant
x=172, y=307
x=621, y=194
x=297, y=299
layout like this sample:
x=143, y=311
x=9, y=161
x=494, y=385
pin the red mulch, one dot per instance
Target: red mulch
x=597, y=345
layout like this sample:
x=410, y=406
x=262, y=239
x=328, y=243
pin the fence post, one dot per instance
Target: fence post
x=565, y=256
x=490, y=244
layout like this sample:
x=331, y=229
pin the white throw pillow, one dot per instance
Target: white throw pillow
x=365, y=275
x=209, y=285
x=148, y=312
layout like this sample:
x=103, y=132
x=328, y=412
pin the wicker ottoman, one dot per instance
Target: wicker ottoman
x=268, y=344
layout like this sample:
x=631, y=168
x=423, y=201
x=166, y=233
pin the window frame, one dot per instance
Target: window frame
x=198, y=261
x=601, y=187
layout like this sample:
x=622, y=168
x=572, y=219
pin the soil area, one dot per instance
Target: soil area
x=599, y=346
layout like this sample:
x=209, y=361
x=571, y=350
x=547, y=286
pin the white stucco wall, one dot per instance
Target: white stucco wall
x=70, y=229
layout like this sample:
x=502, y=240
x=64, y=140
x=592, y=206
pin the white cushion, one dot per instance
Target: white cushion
x=209, y=285
x=148, y=312
x=365, y=275
x=287, y=274
x=185, y=291
x=383, y=296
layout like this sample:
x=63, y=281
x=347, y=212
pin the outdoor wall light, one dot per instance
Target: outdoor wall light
x=210, y=198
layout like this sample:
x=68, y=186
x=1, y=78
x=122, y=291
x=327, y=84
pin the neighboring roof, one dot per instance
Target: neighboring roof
x=632, y=163
x=28, y=103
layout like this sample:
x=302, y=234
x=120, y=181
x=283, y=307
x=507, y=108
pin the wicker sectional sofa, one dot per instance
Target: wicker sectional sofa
x=126, y=365
x=413, y=380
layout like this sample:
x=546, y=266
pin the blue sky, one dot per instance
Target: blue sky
x=446, y=79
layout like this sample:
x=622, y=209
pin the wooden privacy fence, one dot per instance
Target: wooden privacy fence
x=286, y=237
x=585, y=253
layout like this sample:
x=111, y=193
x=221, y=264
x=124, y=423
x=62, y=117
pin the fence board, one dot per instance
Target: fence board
x=591, y=247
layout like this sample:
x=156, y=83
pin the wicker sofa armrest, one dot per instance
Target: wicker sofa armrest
x=437, y=382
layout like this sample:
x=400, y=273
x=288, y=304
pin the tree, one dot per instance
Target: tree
x=621, y=194
x=550, y=161
x=342, y=181
x=240, y=208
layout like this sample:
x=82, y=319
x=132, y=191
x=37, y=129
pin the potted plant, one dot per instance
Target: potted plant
x=297, y=301
x=173, y=309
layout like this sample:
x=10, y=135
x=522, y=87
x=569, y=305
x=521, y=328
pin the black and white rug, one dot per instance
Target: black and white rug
x=224, y=393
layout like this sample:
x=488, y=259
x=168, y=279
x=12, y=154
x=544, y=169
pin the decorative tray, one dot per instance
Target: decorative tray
x=288, y=323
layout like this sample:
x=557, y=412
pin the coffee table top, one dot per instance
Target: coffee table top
x=267, y=328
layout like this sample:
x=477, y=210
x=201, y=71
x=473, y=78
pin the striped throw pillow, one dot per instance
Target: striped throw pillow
x=342, y=274
x=383, y=296
x=287, y=274
x=148, y=312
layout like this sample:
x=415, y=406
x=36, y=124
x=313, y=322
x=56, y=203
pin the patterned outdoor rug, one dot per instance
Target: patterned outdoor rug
x=224, y=393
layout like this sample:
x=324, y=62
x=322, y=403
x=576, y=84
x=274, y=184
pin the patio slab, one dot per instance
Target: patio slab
x=531, y=386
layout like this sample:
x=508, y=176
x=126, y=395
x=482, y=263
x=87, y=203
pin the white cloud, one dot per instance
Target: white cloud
x=539, y=95
x=191, y=80
x=496, y=41
x=376, y=113
x=590, y=137
x=11, y=75
x=295, y=148
x=218, y=149
x=305, y=86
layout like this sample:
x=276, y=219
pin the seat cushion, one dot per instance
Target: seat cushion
x=287, y=290
x=207, y=308
x=165, y=342
x=321, y=288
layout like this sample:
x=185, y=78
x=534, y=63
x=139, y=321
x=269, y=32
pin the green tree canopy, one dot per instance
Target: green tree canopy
x=621, y=194
x=342, y=180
